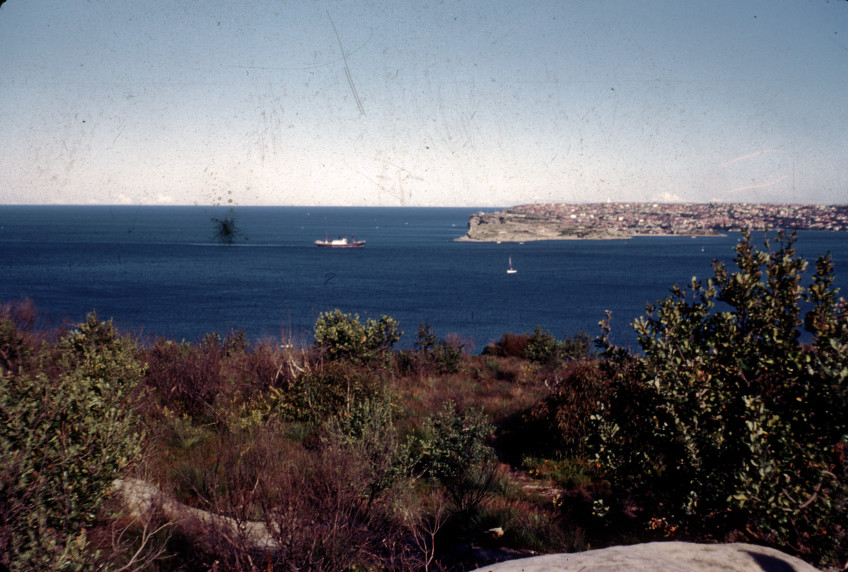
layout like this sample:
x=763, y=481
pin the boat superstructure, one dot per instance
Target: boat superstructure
x=341, y=242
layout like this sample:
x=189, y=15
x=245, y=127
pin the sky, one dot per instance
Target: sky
x=423, y=102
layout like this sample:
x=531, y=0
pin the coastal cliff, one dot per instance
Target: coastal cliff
x=510, y=226
x=605, y=221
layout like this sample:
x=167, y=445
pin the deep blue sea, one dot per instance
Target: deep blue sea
x=157, y=271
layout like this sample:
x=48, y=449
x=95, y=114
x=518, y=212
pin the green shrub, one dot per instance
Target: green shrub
x=456, y=454
x=560, y=424
x=64, y=437
x=576, y=347
x=343, y=336
x=728, y=422
x=444, y=356
x=368, y=432
x=320, y=395
x=544, y=348
x=19, y=338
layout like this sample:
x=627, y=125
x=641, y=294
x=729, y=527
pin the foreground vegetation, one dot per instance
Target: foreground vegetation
x=352, y=455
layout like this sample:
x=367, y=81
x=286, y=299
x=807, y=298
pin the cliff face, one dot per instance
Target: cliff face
x=511, y=226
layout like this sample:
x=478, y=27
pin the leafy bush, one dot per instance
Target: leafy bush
x=728, y=422
x=343, y=336
x=442, y=355
x=368, y=432
x=561, y=422
x=63, y=439
x=456, y=454
x=543, y=347
x=319, y=395
x=20, y=339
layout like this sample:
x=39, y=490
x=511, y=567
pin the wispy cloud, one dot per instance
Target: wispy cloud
x=750, y=155
x=770, y=183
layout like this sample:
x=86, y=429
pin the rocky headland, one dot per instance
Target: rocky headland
x=604, y=221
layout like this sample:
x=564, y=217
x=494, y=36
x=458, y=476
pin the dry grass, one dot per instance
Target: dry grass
x=500, y=386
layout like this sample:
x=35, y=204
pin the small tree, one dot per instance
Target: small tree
x=368, y=432
x=544, y=348
x=381, y=335
x=426, y=339
x=443, y=355
x=457, y=455
x=334, y=390
x=728, y=420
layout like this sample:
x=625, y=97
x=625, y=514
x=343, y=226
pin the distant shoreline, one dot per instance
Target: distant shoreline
x=516, y=238
x=612, y=221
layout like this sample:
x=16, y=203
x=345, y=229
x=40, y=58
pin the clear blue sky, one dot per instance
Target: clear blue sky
x=447, y=103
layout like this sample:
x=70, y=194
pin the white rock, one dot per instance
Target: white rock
x=661, y=557
x=140, y=498
x=496, y=532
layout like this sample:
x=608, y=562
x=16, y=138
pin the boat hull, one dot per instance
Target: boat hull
x=339, y=244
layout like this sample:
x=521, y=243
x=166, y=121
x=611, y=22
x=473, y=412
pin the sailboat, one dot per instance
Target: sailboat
x=511, y=270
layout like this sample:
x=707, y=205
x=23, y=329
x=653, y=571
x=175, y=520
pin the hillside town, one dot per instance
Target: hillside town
x=558, y=221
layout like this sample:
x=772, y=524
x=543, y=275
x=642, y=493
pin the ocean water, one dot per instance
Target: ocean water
x=157, y=271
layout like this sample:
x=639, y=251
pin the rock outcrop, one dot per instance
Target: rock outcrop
x=661, y=557
x=139, y=498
